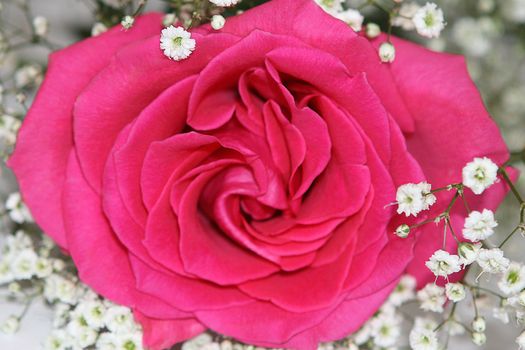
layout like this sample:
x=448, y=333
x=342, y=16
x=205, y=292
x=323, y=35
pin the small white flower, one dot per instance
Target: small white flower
x=480, y=174
x=521, y=341
x=59, y=288
x=351, y=17
x=58, y=340
x=119, y=319
x=331, y=6
x=225, y=3
x=107, y=341
x=404, y=291
x=432, y=298
x=385, y=329
x=423, y=339
x=18, y=211
x=479, y=226
x=406, y=13
x=40, y=26
x=176, y=43
x=468, y=252
x=414, y=198
x=429, y=21
x=61, y=314
x=492, y=260
x=197, y=342
x=387, y=53
x=442, y=263
x=24, y=264
x=479, y=338
x=127, y=22
x=43, y=267
x=372, y=30
x=455, y=292
x=98, y=28
x=9, y=128
x=218, y=22
x=11, y=325
x=513, y=280
x=131, y=340
x=82, y=336
x=6, y=275
x=92, y=312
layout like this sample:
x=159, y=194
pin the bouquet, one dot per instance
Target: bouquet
x=281, y=174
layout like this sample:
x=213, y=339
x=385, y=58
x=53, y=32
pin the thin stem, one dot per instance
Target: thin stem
x=509, y=236
x=514, y=190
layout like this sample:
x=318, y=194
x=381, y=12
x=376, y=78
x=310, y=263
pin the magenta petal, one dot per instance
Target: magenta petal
x=160, y=334
x=45, y=139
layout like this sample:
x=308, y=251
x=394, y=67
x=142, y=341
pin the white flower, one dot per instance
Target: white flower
x=372, y=30
x=176, y=43
x=92, y=312
x=492, y=260
x=455, y=292
x=18, y=211
x=351, y=17
x=61, y=315
x=98, y=28
x=217, y=22
x=404, y=291
x=24, y=264
x=479, y=338
x=429, y=21
x=441, y=263
x=385, y=329
x=43, y=267
x=521, y=340
x=131, y=340
x=513, y=280
x=468, y=252
x=9, y=128
x=6, y=275
x=28, y=75
x=225, y=3
x=58, y=340
x=40, y=26
x=480, y=174
x=387, y=53
x=413, y=198
x=406, y=13
x=11, y=325
x=479, y=226
x=169, y=19
x=127, y=22
x=82, y=335
x=59, y=288
x=432, y=298
x=331, y=6
x=423, y=339
x=119, y=319
x=107, y=341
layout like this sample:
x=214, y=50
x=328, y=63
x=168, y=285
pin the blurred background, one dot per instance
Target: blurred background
x=490, y=33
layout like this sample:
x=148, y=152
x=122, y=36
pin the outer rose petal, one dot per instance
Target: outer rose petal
x=44, y=142
x=162, y=334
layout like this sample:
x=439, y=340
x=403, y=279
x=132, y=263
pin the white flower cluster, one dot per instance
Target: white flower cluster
x=18, y=211
x=92, y=322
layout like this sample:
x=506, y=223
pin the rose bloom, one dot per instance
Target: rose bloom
x=245, y=189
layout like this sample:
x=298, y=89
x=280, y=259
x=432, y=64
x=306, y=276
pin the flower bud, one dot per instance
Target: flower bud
x=11, y=325
x=402, y=231
x=127, y=22
x=217, y=22
x=372, y=30
x=387, y=52
x=479, y=325
x=479, y=338
x=468, y=252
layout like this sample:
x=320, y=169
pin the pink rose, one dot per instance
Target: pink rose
x=244, y=189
